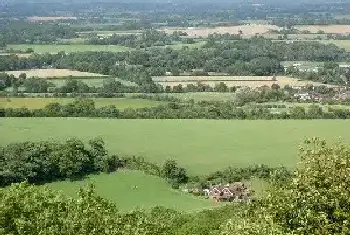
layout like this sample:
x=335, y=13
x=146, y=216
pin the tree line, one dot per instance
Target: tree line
x=173, y=110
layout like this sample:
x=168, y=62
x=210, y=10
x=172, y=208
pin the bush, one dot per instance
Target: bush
x=173, y=173
x=252, y=225
x=175, y=185
x=317, y=199
x=26, y=209
x=38, y=162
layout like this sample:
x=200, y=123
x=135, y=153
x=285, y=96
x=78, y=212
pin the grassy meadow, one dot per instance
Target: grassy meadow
x=68, y=48
x=36, y=103
x=202, y=146
x=150, y=191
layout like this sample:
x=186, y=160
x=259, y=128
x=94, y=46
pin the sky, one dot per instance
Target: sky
x=197, y=1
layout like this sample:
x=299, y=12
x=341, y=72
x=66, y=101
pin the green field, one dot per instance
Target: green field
x=151, y=191
x=202, y=146
x=36, y=103
x=68, y=48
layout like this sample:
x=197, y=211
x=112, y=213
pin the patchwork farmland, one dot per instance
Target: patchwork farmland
x=240, y=81
x=247, y=30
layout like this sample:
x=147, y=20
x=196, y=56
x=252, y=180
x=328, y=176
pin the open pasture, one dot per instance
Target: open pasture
x=52, y=73
x=132, y=189
x=247, y=29
x=241, y=81
x=342, y=29
x=37, y=103
x=201, y=146
x=54, y=49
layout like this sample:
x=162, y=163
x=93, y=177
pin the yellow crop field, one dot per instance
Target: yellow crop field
x=52, y=73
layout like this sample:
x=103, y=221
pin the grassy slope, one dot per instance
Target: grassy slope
x=35, y=103
x=68, y=48
x=201, y=146
x=151, y=191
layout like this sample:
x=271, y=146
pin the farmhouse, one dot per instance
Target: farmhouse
x=343, y=96
x=303, y=96
x=344, y=66
x=304, y=68
x=237, y=191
